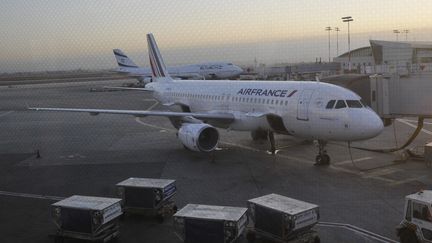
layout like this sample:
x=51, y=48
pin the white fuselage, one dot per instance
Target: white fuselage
x=288, y=107
x=217, y=70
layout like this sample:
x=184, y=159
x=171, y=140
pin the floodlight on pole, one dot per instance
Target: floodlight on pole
x=348, y=19
x=328, y=29
x=397, y=34
x=406, y=34
x=337, y=40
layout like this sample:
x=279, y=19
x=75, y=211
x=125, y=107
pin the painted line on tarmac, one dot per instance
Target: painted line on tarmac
x=6, y=113
x=153, y=106
x=414, y=121
x=408, y=180
x=153, y=126
x=29, y=195
x=358, y=230
x=355, y=160
x=414, y=126
x=152, y=100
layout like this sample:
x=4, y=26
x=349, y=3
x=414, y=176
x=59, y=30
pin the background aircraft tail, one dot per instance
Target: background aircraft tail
x=159, y=70
x=123, y=60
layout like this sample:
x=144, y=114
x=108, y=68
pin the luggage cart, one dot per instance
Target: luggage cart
x=282, y=219
x=146, y=196
x=86, y=218
x=210, y=224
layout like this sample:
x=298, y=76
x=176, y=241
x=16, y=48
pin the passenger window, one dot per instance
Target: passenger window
x=340, y=104
x=354, y=104
x=330, y=104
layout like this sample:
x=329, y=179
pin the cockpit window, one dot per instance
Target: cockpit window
x=354, y=104
x=330, y=104
x=340, y=104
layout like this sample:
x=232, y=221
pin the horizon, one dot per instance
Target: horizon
x=47, y=35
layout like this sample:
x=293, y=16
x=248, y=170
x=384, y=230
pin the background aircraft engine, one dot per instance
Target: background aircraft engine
x=144, y=79
x=198, y=137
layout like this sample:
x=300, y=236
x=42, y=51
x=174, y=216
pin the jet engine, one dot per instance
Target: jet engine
x=145, y=80
x=198, y=137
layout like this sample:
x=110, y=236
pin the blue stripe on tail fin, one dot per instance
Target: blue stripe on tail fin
x=123, y=60
x=156, y=62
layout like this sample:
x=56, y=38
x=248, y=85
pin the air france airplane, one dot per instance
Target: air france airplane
x=309, y=110
x=211, y=70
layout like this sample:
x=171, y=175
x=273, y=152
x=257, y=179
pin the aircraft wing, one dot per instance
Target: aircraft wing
x=223, y=117
x=127, y=88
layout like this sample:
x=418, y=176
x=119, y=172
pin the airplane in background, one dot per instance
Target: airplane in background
x=211, y=70
x=305, y=109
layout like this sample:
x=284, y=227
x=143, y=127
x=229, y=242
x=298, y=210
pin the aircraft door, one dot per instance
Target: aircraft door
x=303, y=104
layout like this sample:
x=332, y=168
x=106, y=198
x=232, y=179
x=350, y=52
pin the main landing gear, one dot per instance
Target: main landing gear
x=322, y=158
x=263, y=135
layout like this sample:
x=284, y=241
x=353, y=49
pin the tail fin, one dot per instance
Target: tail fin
x=159, y=70
x=123, y=60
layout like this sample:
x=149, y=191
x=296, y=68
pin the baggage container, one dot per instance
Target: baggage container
x=148, y=196
x=87, y=218
x=282, y=219
x=210, y=224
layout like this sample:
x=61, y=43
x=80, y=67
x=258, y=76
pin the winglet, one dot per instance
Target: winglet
x=157, y=64
x=123, y=60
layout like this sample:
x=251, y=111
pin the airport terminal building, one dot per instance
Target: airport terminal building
x=389, y=57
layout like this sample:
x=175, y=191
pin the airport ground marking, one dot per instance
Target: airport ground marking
x=355, y=160
x=414, y=126
x=395, y=183
x=6, y=113
x=358, y=230
x=29, y=195
x=414, y=121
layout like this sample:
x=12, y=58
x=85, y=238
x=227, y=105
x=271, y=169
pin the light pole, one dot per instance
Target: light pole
x=328, y=29
x=348, y=19
x=406, y=34
x=397, y=34
x=337, y=40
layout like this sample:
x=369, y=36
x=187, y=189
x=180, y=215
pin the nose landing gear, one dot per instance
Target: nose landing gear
x=322, y=158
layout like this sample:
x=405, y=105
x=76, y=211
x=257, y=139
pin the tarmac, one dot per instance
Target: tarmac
x=82, y=154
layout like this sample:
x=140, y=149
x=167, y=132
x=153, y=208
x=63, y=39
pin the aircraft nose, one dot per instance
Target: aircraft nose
x=374, y=125
x=239, y=70
x=365, y=124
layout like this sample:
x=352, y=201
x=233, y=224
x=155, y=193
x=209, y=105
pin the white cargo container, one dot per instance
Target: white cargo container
x=88, y=218
x=148, y=196
x=210, y=224
x=282, y=219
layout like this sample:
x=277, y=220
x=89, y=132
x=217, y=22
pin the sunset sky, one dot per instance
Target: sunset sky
x=55, y=35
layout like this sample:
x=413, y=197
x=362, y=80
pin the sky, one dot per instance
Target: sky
x=39, y=35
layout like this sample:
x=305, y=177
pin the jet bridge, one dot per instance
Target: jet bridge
x=393, y=96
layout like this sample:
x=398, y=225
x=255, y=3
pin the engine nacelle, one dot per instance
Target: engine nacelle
x=199, y=137
x=145, y=80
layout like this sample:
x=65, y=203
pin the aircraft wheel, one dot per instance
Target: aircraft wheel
x=326, y=159
x=322, y=159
